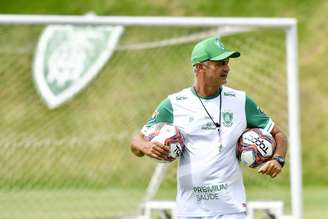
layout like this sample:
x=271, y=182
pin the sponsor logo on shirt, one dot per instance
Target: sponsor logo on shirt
x=208, y=126
x=154, y=116
x=259, y=109
x=181, y=98
x=209, y=192
x=229, y=93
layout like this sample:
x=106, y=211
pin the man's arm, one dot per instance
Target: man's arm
x=281, y=141
x=272, y=167
x=140, y=147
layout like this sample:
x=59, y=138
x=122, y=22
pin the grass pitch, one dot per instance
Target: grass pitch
x=78, y=204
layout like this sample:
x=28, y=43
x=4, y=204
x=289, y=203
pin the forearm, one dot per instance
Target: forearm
x=281, y=142
x=140, y=147
x=137, y=145
x=273, y=167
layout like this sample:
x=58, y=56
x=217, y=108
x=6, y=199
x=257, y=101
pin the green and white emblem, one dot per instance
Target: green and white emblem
x=227, y=118
x=219, y=44
x=68, y=57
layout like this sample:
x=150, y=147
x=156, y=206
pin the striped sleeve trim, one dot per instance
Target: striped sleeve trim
x=269, y=126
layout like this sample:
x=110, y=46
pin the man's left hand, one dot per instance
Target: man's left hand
x=271, y=168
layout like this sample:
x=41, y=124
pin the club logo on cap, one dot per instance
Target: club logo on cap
x=219, y=44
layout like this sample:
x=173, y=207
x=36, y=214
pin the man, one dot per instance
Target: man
x=209, y=177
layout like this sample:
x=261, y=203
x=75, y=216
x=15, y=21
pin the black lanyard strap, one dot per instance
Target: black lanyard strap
x=217, y=125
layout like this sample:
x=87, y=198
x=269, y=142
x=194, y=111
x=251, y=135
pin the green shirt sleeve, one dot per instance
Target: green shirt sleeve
x=162, y=114
x=255, y=117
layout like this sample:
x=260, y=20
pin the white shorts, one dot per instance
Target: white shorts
x=241, y=215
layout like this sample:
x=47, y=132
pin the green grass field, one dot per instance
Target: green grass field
x=75, y=203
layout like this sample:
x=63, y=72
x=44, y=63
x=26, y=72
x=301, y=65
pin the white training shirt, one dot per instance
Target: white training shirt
x=209, y=176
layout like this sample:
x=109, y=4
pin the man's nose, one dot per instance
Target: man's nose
x=226, y=68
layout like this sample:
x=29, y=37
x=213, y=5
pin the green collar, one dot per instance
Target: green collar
x=207, y=97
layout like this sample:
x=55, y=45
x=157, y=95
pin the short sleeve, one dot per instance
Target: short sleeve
x=162, y=114
x=255, y=117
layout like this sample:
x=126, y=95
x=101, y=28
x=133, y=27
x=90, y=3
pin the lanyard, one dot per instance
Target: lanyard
x=217, y=125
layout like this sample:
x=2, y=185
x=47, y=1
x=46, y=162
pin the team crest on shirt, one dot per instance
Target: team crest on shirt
x=227, y=118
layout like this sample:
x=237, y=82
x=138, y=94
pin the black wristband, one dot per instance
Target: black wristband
x=280, y=159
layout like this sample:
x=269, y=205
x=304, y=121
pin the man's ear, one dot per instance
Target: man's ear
x=199, y=66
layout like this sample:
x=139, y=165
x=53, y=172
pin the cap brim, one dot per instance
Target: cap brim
x=227, y=54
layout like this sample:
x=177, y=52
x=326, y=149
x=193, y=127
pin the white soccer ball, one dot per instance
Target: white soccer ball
x=255, y=146
x=167, y=134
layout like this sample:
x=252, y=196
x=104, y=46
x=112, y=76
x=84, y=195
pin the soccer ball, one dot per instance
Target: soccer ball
x=255, y=146
x=167, y=134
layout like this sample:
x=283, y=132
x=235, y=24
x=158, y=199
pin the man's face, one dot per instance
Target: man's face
x=216, y=72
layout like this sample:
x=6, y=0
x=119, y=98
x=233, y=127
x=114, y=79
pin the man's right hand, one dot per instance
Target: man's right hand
x=157, y=150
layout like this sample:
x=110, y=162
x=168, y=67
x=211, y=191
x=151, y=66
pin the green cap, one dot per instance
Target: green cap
x=211, y=49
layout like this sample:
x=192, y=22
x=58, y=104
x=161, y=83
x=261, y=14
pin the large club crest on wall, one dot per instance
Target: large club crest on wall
x=68, y=57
